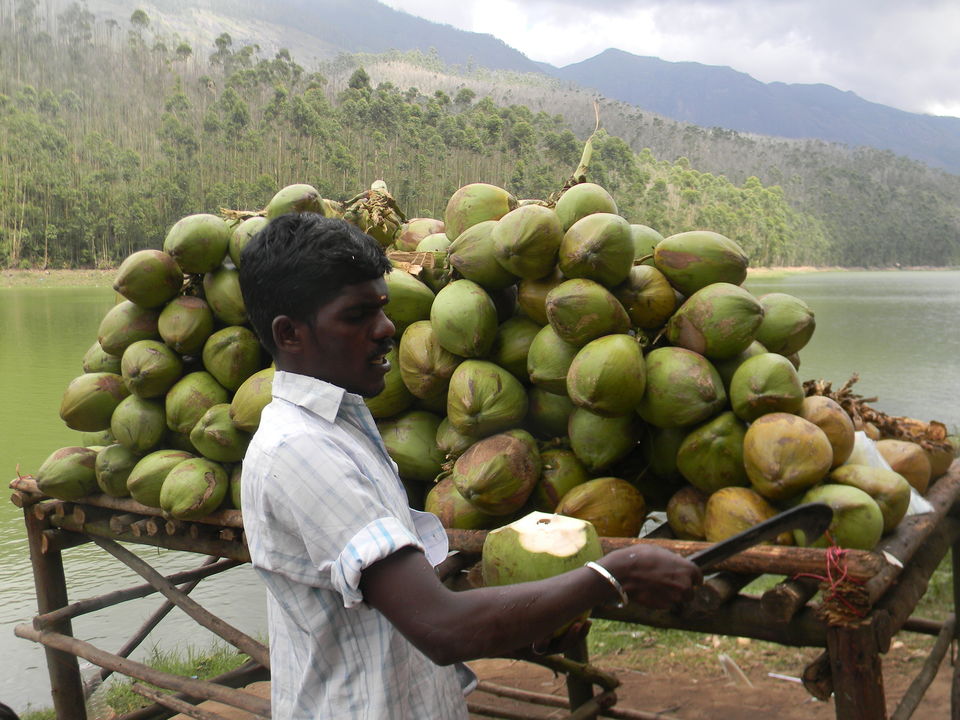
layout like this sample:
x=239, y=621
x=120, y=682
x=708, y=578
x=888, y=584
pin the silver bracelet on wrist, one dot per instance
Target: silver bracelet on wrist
x=608, y=576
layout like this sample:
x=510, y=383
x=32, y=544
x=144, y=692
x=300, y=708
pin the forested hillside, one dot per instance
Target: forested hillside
x=108, y=134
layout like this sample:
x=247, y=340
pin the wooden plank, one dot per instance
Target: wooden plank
x=857, y=673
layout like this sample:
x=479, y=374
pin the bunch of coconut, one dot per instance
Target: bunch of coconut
x=174, y=383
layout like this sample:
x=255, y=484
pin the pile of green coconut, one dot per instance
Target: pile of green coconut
x=549, y=356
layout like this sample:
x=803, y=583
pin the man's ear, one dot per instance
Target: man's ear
x=287, y=334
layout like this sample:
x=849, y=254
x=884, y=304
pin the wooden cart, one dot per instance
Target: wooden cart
x=871, y=597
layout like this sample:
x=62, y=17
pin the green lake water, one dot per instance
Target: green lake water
x=898, y=330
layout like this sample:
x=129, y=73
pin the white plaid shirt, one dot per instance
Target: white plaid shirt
x=321, y=502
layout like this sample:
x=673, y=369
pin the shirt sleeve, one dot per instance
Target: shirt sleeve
x=322, y=520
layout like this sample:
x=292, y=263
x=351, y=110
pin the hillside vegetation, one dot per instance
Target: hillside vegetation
x=109, y=134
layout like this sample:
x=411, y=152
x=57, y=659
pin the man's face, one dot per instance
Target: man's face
x=348, y=338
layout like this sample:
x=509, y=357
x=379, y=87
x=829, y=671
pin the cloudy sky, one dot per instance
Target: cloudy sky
x=903, y=53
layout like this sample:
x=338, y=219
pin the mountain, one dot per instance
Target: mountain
x=712, y=96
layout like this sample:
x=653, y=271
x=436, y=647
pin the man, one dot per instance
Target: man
x=359, y=624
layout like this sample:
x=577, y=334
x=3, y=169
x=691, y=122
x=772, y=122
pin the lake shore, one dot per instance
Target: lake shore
x=104, y=278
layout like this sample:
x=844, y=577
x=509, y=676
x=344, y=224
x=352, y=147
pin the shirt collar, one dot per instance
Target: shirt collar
x=317, y=396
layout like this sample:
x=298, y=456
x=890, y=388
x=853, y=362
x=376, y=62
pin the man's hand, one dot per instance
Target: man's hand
x=653, y=576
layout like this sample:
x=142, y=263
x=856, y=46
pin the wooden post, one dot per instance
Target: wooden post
x=857, y=673
x=579, y=691
x=955, y=684
x=66, y=685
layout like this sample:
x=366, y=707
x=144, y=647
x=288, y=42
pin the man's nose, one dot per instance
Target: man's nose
x=384, y=327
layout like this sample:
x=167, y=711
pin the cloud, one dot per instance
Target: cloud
x=887, y=51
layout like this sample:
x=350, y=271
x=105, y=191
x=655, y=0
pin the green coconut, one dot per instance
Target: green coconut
x=181, y=441
x=464, y=319
x=718, y=321
x=112, y=467
x=90, y=400
x=692, y=260
x=395, y=397
x=536, y=547
x=612, y=505
x=683, y=388
x=190, y=397
x=827, y=414
x=193, y=489
x=150, y=368
x=409, y=300
x=732, y=510
x=608, y=376
x=221, y=288
x=96, y=360
x=483, y=399
x=456, y=513
x=857, y=520
x=600, y=441
x=147, y=476
x=711, y=456
x=217, y=438
x=101, y=438
x=784, y=455
x=889, y=489
x=647, y=296
x=660, y=448
x=297, y=198
x=497, y=474
x=68, y=473
x=198, y=242
x=124, y=324
x=532, y=295
x=548, y=360
x=425, y=367
x=243, y=234
x=231, y=355
x=149, y=278
x=439, y=275
x=451, y=442
x=473, y=204
x=511, y=346
x=505, y=301
x=729, y=366
x=582, y=310
x=686, y=512
x=472, y=255
x=598, y=247
x=234, y=491
x=645, y=239
x=413, y=231
x=560, y=472
x=763, y=384
x=410, y=439
x=581, y=200
x=907, y=459
x=138, y=423
x=548, y=413
x=185, y=323
x=788, y=323
x=526, y=240
x=251, y=398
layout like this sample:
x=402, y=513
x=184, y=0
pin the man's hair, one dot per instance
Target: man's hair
x=300, y=262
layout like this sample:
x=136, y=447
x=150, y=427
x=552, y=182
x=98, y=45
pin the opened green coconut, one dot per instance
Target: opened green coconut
x=446, y=502
x=711, y=456
x=763, y=384
x=410, y=440
x=600, y=441
x=464, y=319
x=113, y=466
x=692, y=260
x=581, y=200
x=409, y=300
x=497, y=474
x=147, y=476
x=612, y=505
x=185, y=323
x=788, y=323
x=607, y=376
x=138, y=423
x=193, y=489
x=683, y=388
x=784, y=455
x=475, y=203
x=582, y=310
x=548, y=360
x=124, y=324
x=90, y=399
x=198, y=242
x=148, y=278
x=598, y=247
x=526, y=240
x=190, y=397
x=251, y=398
x=150, y=368
x=718, y=321
x=68, y=473
x=647, y=296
